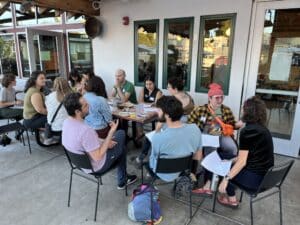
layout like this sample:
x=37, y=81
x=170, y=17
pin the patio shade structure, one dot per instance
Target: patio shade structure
x=85, y=7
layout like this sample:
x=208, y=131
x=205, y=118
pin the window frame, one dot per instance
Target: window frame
x=203, y=19
x=191, y=20
x=136, y=73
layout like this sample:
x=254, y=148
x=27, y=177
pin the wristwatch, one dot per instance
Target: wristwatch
x=227, y=177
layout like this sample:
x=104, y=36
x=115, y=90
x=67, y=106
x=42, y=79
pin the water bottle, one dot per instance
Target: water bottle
x=214, y=182
x=139, y=109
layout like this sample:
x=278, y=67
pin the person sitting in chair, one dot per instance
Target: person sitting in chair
x=79, y=138
x=256, y=154
x=177, y=139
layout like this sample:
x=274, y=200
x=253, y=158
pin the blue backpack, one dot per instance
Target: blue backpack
x=139, y=208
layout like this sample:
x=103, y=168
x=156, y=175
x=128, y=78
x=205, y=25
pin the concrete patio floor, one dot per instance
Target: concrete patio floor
x=34, y=189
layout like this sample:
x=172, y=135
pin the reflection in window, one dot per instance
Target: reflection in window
x=80, y=48
x=279, y=69
x=8, y=62
x=49, y=55
x=215, y=48
x=24, y=55
x=48, y=16
x=75, y=18
x=177, y=49
x=25, y=18
x=5, y=15
x=146, y=50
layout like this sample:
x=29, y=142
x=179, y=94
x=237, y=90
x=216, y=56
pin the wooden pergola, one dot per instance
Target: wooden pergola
x=83, y=7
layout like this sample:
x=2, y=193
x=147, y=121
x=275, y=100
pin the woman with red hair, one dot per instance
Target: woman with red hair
x=214, y=118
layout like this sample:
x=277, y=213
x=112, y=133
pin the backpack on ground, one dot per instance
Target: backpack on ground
x=139, y=207
x=4, y=140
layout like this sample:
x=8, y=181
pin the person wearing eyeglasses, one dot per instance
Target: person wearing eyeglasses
x=206, y=118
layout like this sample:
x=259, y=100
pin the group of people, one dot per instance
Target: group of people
x=87, y=125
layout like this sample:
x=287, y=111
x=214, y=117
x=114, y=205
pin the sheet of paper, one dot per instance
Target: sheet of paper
x=216, y=165
x=150, y=109
x=210, y=140
x=150, y=135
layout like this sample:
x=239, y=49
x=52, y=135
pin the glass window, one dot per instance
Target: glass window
x=48, y=16
x=5, y=15
x=146, y=50
x=75, y=18
x=279, y=69
x=215, y=49
x=80, y=51
x=25, y=15
x=178, y=38
x=24, y=55
x=8, y=62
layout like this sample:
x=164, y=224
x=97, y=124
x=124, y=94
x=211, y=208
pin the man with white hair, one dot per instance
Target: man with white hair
x=123, y=88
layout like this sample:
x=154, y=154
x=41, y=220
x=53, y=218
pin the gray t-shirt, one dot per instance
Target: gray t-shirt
x=7, y=95
x=174, y=143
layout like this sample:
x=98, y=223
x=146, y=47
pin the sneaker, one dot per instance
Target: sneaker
x=130, y=180
x=50, y=141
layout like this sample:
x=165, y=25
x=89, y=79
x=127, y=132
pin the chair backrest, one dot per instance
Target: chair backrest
x=174, y=165
x=275, y=176
x=78, y=161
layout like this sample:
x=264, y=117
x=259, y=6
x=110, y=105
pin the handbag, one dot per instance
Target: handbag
x=102, y=133
x=48, y=129
x=227, y=129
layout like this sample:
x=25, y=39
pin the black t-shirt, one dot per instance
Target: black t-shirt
x=258, y=140
x=152, y=97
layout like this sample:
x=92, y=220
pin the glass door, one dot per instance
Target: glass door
x=46, y=52
x=274, y=72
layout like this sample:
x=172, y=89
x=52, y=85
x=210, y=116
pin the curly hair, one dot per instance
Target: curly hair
x=170, y=106
x=96, y=85
x=7, y=79
x=254, y=111
x=61, y=87
x=176, y=82
x=31, y=81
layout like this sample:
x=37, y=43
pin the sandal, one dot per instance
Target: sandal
x=224, y=200
x=202, y=191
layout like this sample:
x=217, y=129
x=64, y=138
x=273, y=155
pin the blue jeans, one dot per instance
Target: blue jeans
x=246, y=179
x=145, y=150
x=117, y=155
x=37, y=121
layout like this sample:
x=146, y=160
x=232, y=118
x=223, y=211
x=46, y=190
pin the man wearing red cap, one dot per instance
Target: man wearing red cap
x=205, y=118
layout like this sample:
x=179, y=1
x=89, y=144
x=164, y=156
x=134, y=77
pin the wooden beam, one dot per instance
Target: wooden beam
x=75, y=6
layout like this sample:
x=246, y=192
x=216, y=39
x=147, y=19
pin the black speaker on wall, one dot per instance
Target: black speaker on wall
x=93, y=27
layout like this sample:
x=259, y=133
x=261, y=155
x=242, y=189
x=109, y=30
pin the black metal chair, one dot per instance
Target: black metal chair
x=180, y=165
x=273, y=179
x=82, y=162
x=18, y=127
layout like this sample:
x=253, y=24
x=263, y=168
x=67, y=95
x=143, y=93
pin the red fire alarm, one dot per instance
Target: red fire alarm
x=125, y=20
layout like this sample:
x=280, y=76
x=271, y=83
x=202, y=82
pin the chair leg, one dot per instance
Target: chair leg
x=190, y=190
x=280, y=206
x=126, y=186
x=251, y=210
x=29, y=146
x=142, y=173
x=214, y=201
x=70, y=186
x=96, y=207
x=241, y=196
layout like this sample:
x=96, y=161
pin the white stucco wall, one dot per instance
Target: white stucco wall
x=115, y=48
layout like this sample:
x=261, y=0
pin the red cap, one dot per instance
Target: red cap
x=215, y=89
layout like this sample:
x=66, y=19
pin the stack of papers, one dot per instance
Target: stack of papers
x=216, y=165
x=210, y=140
